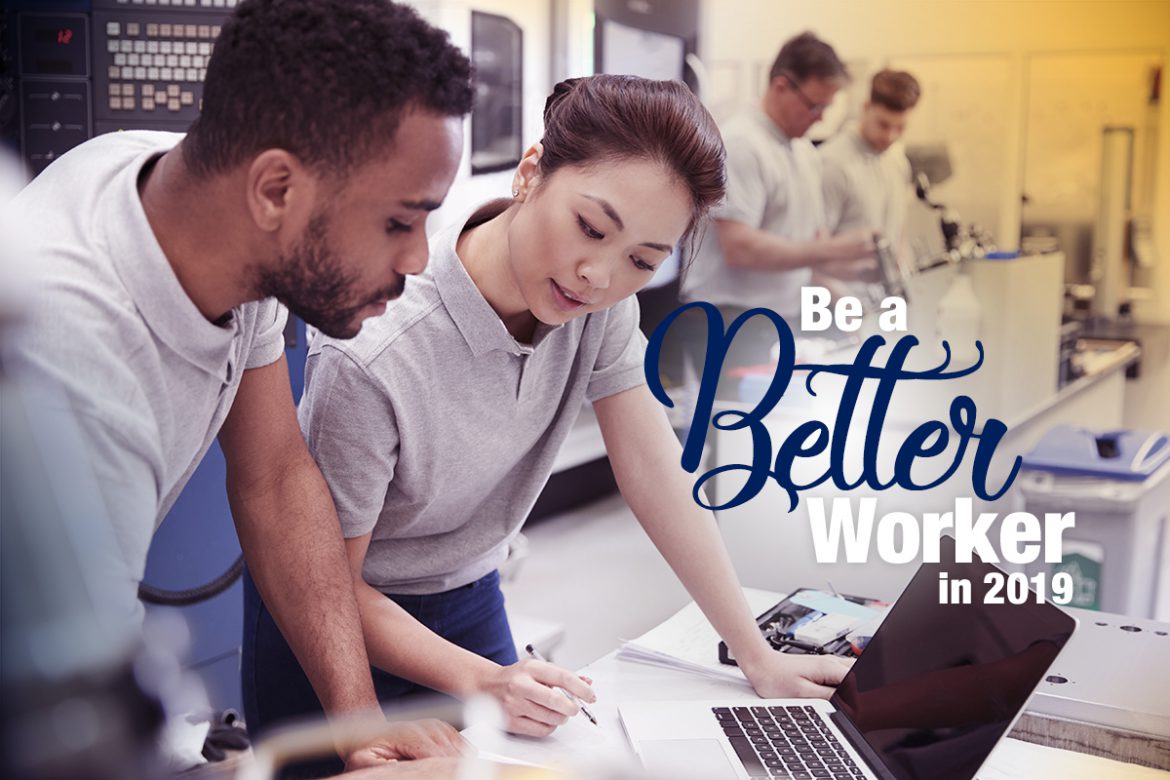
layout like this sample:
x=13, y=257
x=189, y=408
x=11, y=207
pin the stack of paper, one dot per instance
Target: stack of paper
x=688, y=642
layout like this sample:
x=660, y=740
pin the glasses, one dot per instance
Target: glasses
x=809, y=103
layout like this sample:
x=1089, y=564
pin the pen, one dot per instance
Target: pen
x=532, y=651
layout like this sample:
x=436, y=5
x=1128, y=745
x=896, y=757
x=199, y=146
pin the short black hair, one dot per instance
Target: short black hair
x=327, y=80
x=808, y=57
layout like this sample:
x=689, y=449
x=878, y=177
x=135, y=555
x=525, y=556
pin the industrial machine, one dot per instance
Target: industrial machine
x=82, y=68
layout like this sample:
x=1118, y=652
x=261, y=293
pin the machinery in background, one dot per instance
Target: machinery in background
x=931, y=166
x=1123, y=246
x=1111, y=251
x=81, y=68
x=648, y=38
x=497, y=47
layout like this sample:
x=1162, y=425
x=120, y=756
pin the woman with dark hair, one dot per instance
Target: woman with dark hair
x=437, y=426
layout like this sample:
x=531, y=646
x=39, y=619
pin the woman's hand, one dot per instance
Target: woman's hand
x=777, y=675
x=532, y=706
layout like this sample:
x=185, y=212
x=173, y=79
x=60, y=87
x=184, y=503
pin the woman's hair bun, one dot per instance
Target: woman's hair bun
x=558, y=95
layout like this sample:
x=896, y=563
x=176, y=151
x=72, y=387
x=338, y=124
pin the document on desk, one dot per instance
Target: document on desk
x=688, y=642
x=576, y=746
x=1014, y=759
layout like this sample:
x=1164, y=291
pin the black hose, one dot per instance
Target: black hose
x=183, y=598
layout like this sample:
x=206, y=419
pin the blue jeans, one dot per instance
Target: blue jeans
x=275, y=689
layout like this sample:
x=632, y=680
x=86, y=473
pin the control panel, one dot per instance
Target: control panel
x=86, y=68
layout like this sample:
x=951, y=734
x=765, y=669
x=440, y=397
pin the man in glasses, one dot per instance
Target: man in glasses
x=770, y=233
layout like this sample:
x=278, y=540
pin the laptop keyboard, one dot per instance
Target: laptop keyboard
x=790, y=742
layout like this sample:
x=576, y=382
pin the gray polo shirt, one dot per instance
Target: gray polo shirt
x=148, y=377
x=863, y=188
x=436, y=430
x=773, y=184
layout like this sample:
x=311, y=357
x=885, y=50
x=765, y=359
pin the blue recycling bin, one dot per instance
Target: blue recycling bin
x=1118, y=484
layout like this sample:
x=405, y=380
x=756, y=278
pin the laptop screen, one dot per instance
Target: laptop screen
x=939, y=684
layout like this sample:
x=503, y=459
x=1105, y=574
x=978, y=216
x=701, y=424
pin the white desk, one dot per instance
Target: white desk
x=581, y=745
x=582, y=748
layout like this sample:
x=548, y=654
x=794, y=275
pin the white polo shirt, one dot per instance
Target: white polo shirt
x=863, y=188
x=773, y=184
x=436, y=430
x=148, y=377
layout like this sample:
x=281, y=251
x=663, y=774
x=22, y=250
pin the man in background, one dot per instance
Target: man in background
x=770, y=234
x=865, y=172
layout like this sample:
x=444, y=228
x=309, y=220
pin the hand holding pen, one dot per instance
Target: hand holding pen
x=532, y=651
x=536, y=696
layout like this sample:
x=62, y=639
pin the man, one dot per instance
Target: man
x=770, y=233
x=865, y=171
x=329, y=129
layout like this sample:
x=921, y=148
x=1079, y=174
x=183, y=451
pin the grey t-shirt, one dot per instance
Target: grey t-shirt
x=436, y=429
x=773, y=184
x=149, y=378
x=863, y=188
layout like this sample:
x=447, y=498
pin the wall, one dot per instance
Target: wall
x=983, y=50
x=535, y=20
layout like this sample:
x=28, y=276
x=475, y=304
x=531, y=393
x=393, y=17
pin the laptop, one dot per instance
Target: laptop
x=935, y=690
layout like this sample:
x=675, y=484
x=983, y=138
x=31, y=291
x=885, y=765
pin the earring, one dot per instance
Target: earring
x=515, y=192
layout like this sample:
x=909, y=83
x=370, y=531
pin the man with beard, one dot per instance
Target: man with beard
x=329, y=129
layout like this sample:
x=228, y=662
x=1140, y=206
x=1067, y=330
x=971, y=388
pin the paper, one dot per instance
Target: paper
x=1017, y=760
x=575, y=745
x=688, y=642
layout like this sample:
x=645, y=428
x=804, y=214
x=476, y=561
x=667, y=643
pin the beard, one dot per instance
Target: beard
x=312, y=283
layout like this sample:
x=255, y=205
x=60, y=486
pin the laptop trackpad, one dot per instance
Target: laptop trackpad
x=686, y=758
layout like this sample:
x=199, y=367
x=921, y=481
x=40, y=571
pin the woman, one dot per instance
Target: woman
x=437, y=426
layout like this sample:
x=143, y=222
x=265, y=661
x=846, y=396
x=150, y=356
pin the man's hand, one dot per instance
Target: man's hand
x=440, y=769
x=423, y=769
x=412, y=739
x=780, y=676
x=852, y=244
